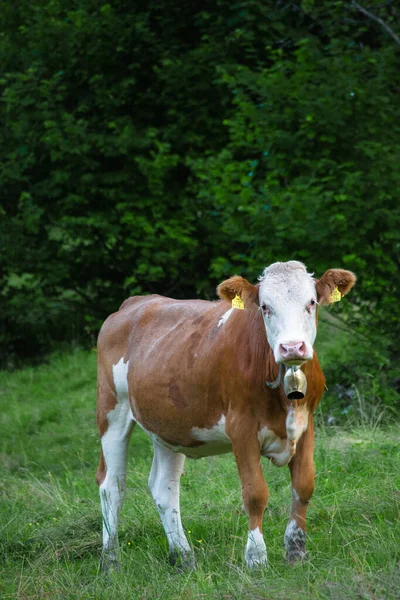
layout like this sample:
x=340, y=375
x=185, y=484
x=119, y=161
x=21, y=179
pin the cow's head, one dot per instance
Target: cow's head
x=288, y=297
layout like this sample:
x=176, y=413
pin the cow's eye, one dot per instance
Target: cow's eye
x=311, y=305
x=266, y=309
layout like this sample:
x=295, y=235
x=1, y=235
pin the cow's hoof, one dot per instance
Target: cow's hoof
x=256, y=558
x=295, y=556
x=256, y=562
x=183, y=561
x=109, y=563
x=255, y=554
x=294, y=543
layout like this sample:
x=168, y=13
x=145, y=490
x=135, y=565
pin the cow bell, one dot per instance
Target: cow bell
x=295, y=383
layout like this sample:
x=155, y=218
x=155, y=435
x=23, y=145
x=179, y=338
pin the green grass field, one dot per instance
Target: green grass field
x=50, y=523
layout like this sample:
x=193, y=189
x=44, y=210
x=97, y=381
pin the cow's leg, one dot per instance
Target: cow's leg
x=164, y=484
x=303, y=472
x=111, y=476
x=246, y=448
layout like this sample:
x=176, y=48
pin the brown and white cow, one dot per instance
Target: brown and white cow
x=193, y=375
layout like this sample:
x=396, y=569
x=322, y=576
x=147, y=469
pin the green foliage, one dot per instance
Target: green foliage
x=162, y=148
x=361, y=379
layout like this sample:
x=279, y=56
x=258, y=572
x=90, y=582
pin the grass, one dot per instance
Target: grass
x=50, y=524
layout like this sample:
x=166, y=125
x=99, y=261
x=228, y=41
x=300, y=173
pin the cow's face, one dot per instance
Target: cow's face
x=288, y=297
x=288, y=301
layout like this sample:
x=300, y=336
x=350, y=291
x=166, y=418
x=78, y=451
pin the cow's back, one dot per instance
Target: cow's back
x=146, y=325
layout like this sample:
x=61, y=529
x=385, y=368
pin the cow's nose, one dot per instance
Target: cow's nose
x=292, y=350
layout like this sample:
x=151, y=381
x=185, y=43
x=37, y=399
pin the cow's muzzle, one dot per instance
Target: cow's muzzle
x=292, y=351
x=294, y=383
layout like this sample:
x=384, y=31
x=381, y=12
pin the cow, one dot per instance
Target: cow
x=193, y=374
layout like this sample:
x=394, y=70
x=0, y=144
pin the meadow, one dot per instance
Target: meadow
x=50, y=524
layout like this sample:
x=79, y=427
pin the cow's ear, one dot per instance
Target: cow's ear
x=331, y=279
x=238, y=286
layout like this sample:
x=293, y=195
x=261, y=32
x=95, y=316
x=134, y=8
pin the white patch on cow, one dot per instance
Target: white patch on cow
x=120, y=377
x=296, y=422
x=215, y=441
x=290, y=532
x=279, y=450
x=164, y=481
x=296, y=496
x=274, y=447
x=294, y=541
x=291, y=427
x=256, y=550
x=225, y=317
x=216, y=434
x=286, y=289
x=115, y=449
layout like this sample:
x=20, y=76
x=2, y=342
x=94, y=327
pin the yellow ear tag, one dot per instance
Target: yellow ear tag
x=335, y=296
x=237, y=302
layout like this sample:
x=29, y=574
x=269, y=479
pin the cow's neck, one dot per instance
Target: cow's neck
x=252, y=353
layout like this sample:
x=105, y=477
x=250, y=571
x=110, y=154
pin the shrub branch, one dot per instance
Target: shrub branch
x=381, y=22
